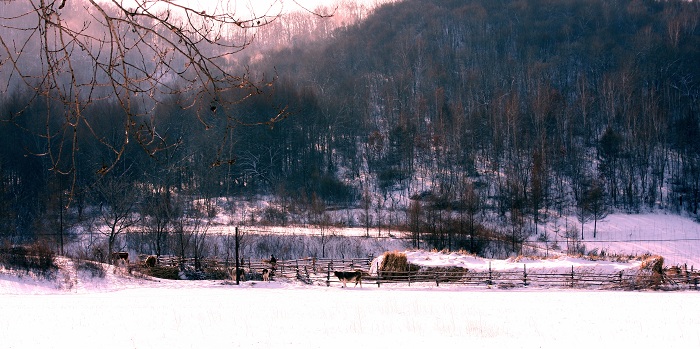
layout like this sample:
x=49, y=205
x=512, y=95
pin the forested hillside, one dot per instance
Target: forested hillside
x=510, y=109
x=463, y=121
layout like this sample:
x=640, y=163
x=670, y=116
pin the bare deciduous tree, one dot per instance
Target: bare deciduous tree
x=72, y=53
x=117, y=216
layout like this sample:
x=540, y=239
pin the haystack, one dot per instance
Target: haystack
x=651, y=272
x=394, y=262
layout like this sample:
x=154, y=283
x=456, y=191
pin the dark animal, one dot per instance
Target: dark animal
x=150, y=261
x=266, y=275
x=240, y=273
x=349, y=276
x=119, y=257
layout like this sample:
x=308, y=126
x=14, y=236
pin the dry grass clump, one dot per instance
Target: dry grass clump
x=395, y=265
x=93, y=269
x=394, y=262
x=163, y=272
x=464, y=252
x=444, y=274
x=173, y=273
x=655, y=264
x=218, y=274
x=651, y=272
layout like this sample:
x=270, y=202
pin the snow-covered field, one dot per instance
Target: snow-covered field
x=119, y=311
x=210, y=314
x=675, y=238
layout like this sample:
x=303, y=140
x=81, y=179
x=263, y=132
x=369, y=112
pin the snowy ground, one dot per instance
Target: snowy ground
x=554, y=264
x=185, y=314
x=118, y=311
x=121, y=311
x=675, y=238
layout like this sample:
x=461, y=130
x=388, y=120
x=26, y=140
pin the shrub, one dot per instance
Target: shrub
x=36, y=258
x=274, y=216
x=218, y=274
x=92, y=268
x=163, y=272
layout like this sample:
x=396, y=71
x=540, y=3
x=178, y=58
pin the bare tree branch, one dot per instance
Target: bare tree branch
x=73, y=53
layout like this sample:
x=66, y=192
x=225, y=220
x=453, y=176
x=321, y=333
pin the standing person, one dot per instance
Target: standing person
x=273, y=265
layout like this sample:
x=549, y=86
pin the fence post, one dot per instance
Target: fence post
x=490, y=282
x=524, y=274
x=620, y=277
x=237, y=261
x=328, y=274
x=378, y=275
x=437, y=282
x=695, y=279
x=572, y=276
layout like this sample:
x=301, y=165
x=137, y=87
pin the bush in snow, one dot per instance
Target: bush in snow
x=92, y=269
x=37, y=259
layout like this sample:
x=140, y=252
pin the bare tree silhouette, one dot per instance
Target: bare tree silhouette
x=73, y=53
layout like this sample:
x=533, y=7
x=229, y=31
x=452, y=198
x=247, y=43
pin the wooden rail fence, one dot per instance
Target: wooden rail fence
x=320, y=271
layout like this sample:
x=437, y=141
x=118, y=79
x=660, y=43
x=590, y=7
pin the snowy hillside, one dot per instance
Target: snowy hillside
x=675, y=238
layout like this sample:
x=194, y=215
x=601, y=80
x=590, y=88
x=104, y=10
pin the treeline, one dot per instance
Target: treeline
x=462, y=121
x=499, y=114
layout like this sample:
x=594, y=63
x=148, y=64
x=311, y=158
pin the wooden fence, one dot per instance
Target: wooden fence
x=630, y=279
x=320, y=271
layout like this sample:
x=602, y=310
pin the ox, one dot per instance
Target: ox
x=349, y=276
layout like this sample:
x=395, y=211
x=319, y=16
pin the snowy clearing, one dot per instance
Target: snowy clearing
x=675, y=238
x=285, y=316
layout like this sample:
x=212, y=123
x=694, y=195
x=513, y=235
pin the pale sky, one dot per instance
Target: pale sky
x=272, y=7
x=242, y=8
x=275, y=6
